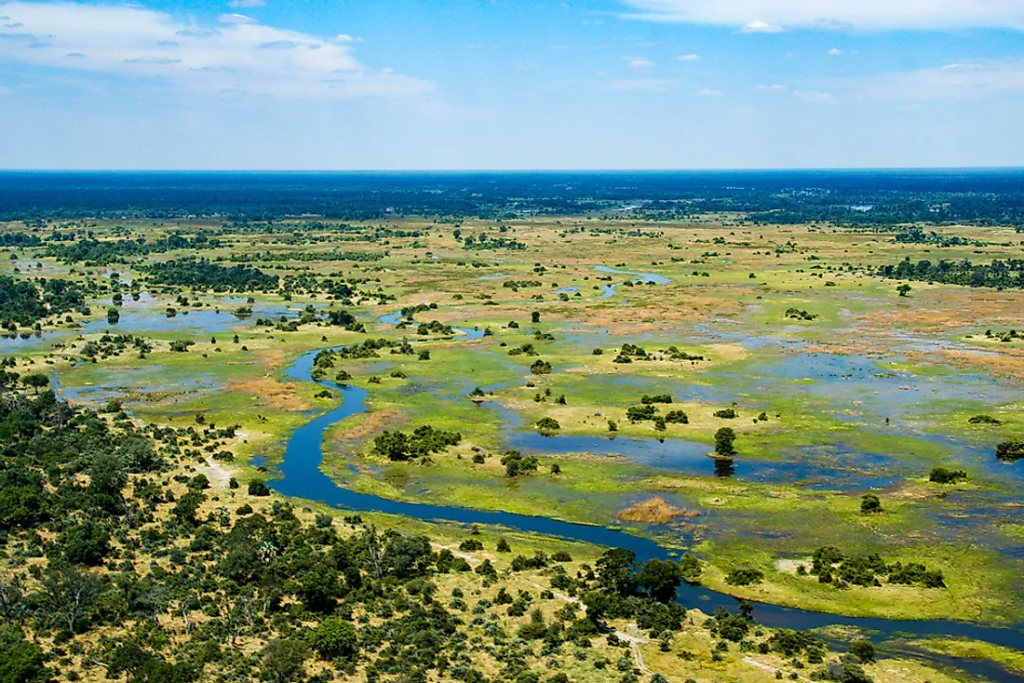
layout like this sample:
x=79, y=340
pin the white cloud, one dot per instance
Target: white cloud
x=837, y=14
x=835, y=52
x=638, y=62
x=640, y=85
x=814, y=97
x=689, y=58
x=235, y=19
x=961, y=81
x=247, y=3
x=235, y=56
x=758, y=26
x=774, y=87
x=708, y=92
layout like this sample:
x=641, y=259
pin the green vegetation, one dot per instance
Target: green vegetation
x=628, y=388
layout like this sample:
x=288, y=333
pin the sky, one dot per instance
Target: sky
x=501, y=84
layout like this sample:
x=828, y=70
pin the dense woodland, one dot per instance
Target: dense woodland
x=122, y=567
x=849, y=198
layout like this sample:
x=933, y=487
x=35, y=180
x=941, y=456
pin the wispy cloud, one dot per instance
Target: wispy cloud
x=236, y=55
x=235, y=19
x=689, y=58
x=960, y=81
x=758, y=26
x=246, y=3
x=709, y=92
x=814, y=97
x=640, y=85
x=774, y=87
x=638, y=62
x=836, y=14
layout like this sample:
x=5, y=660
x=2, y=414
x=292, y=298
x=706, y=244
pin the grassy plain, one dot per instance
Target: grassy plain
x=868, y=396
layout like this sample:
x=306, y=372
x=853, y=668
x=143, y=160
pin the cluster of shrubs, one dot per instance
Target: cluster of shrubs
x=831, y=565
x=422, y=442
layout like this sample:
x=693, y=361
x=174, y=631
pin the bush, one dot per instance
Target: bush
x=677, y=417
x=540, y=367
x=724, y=440
x=1010, y=451
x=548, y=424
x=258, y=488
x=863, y=650
x=870, y=504
x=334, y=638
x=940, y=475
x=744, y=577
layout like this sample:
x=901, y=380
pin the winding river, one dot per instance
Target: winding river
x=301, y=477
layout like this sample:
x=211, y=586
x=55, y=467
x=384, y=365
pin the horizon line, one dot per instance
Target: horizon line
x=517, y=170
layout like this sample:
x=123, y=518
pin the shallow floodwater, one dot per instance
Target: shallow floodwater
x=300, y=476
x=148, y=314
x=826, y=470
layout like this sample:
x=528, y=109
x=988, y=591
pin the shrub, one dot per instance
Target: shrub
x=548, y=424
x=258, y=488
x=940, y=475
x=870, y=503
x=744, y=577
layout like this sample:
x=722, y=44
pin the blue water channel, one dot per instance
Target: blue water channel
x=300, y=476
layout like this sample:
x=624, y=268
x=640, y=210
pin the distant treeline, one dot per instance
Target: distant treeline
x=851, y=198
x=25, y=303
x=1007, y=274
x=117, y=251
x=200, y=274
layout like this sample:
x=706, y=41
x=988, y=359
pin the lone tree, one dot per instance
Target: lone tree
x=724, y=439
x=869, y=503
x=36, y=380
x=904, y=289
x=548, y=424
x=863, y=650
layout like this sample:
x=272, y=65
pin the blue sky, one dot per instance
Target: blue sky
x=494, y=84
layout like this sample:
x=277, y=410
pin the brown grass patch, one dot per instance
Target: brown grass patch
x=371, y=424
x=271, y=393
x=655, y=511
x=272, y=359
x=1003, y=363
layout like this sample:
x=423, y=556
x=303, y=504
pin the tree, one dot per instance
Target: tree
x=334, y=638
x=107, y=477
x=660, y=579
x=904, y=289
x=69, y=594
x=540, y=367
x=21, y=661
x=36, y=380
x=615, y=571
x=85, y=543
x=870, y=503
x=319, y=588
x=724, y=439
x=258, y=488
x=548, y=424
x=187, y=506
x=535, y=317
x=863, y=650
x=284, y=660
